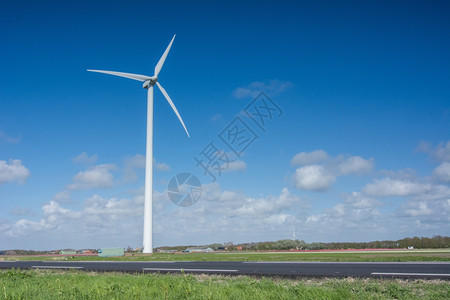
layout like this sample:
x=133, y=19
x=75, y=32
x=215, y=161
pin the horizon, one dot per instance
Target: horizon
x=344, y=107
x=244, y=243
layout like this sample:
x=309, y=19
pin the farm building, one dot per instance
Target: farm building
x=111, y=252
x=199, y=250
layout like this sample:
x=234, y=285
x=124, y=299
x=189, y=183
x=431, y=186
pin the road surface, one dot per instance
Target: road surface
x=435, y=270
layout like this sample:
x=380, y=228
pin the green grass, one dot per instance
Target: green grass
x=38, y=284
x=367, y=256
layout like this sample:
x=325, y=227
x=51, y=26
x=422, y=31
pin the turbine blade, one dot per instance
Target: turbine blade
x=173, y=106
x=126, y=75
x=163, y=57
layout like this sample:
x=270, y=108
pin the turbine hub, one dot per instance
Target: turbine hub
x=150, y=82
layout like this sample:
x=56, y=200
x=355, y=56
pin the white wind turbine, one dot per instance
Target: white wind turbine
x=148, y=84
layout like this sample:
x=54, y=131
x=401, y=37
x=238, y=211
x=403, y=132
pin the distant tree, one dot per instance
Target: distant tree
x=316, y=246
x=215, y=246
x=285, y=245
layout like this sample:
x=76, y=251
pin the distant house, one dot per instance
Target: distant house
x=68, y=252
x=166, y=251
x=199, y=250
x=2, y=252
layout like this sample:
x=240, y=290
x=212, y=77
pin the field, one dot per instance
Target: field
x=330, y=256
x=34, y=284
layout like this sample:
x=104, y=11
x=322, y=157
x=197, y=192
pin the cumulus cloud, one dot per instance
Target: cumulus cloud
x=105, y=220
x=387, y=187
x=98, y=212
x=272, y=87
x=84, y=158
x=356, y=214
x=313, y=177
x=355, y=165
x=358, y=200
x=26, y=227
x=319, y=170
x=441, y=152
x=236, y=165
x=442, y=172
x=424, y=215
x=13, y=171
x=99, y=176
x=62, y=197
x=162, y=166
x=307, y=158
x=416, y=209
x=131, y=164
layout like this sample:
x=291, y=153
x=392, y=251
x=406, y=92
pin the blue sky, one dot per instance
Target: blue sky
x=360, y=152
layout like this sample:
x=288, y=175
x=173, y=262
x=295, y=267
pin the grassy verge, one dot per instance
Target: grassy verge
x=15, y=284
x=393, y=256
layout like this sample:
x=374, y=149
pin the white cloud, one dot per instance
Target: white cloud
x=435, y=192
x=117, y=222
x=313, y=177
x=394, y=187
x=98, y=213
x=440, y=153
x=13, y=170
x=307, y=158
x=53, y=208
x=355, y=165
x=358, y=200
x=162, y=167
x=418, y=209
x=442, y=172
x=356, y=215
x=319, y=170
x=62, y=197
x=95, y=177
x=84, y=158
x=131, y=164
x=424, y=215
x=236, y=165
x=273, y=87
x=26, y=227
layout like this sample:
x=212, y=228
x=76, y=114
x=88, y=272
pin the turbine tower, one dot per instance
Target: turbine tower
x=149, y=82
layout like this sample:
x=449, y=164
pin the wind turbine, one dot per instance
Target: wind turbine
x=149, y=82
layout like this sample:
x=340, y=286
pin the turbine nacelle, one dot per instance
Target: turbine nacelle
x=150, y=82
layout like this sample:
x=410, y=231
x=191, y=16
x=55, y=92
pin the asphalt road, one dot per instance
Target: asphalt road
x=435, y=270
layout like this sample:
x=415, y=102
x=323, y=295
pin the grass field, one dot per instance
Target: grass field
x=34, y=284
x=343, y=256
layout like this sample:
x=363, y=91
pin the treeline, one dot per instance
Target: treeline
x=22, y=252
x=415, y=242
